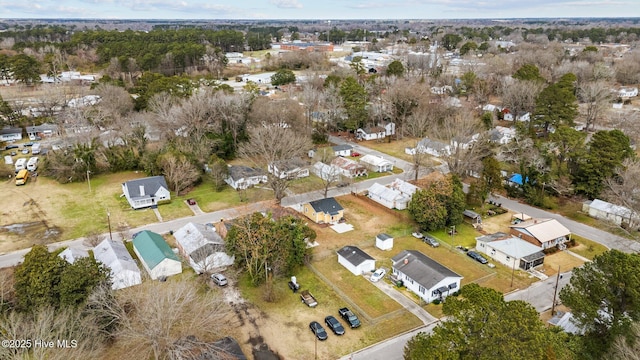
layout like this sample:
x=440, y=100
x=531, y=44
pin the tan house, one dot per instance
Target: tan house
x=545, y=233
x=323, y=211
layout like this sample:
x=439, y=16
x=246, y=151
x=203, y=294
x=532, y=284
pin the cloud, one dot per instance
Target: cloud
x=286, y=4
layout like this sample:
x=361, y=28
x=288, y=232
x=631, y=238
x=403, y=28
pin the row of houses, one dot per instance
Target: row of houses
x=421, y=275
x=201, y=245
x=15, y=133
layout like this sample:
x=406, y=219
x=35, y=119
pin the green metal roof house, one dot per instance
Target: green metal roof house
x=156, y=255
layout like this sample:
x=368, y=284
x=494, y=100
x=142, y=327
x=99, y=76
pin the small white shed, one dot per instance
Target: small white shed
x=384, y=241
x=356, y=260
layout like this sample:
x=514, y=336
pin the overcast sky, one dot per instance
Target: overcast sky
x=316, y=9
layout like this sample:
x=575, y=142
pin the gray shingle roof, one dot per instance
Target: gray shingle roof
x=341, y=147
x=241, y=172
x=327, y=206
x=354, y=255
x=151, y=185
x=421, y=268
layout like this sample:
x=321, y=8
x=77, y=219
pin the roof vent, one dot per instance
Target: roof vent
x=406, y=261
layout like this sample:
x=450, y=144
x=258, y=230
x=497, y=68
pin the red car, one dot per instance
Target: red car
x=355, y=154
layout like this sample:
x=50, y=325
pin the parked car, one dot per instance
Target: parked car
x=378, y=274
x=25, y=151
x=219, y=279
x=30, y=143
x=13, y=153
x=477, y=257
x=32, y=137
x=308, y=298
x=417, y=235
x=318, y=330
x=431, y=240
x=355, y=154
x=11, y=147
x=334, y=325
x=348, y=316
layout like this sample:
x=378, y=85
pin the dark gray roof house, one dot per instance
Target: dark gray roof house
x=327, y=206
x=424, y=276
x=146, y=192
x=243, y=177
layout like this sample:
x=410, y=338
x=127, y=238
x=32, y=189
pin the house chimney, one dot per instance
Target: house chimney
x=142, y=190
x=406, y=261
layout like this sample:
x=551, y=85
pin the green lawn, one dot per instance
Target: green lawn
x=587, y=248
x=360, y=290
x=466, y=235
x=210, y=200
x=306, y=184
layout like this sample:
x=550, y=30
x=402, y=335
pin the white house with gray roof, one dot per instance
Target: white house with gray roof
x=10, y=134
x=146, y=192
x=342, y=150
x=616, y=214
x=355, y=260
x=431, y=147
x=424, y=276
x=124, y=271
x=243, y=177
x=202, y=246
x=510, y=251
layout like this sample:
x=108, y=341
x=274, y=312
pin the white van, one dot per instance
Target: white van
x=35, y=149
x=32, y=164
x=21, y=164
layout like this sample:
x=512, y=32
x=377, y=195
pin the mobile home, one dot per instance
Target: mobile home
x=21, y=164
x=8, y=160
x=32, y=164
x=35, y=149
x=22, y=177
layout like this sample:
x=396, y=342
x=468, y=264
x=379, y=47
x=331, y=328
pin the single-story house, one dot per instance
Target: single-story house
x=510, y=251
x=70, y=254
x=502, y=135
x=616, y=214
x=145, y=192
x=10, y=134
x=464, y=142
x=384, y=241
x=326, y=172
x=356, y=260
x=342, y=150
x=424, y=276
x=156, y=255
x=243, y=177
x=507, y=115
x=371, y=133
x=202, y=246
x=404, y=187
x=44, y=130
x=387, y=197
x=431, y=147
x=523, y=116
x=289, y=169
x=545, y=233
x=124, y=271
x=376, y=163
x=441, y=90
x=323, y=211
x=349, y=168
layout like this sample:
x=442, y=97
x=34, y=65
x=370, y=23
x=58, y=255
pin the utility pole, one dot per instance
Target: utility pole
x=513, y=271
x=555, y=292
x=89, y=181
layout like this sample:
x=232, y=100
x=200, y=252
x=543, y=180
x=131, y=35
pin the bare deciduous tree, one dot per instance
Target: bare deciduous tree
x=520, y=96
x=462, y=132
x=596, y=96
x=153, y=317
x=180, y=172
x=622, y=189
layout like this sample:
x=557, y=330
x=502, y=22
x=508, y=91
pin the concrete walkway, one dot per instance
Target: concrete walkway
x=407, y=303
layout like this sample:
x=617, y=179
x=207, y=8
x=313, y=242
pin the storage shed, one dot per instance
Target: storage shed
x=384, y=241
x=355, y=260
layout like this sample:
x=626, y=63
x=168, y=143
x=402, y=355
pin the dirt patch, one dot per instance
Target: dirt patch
x=560, y=259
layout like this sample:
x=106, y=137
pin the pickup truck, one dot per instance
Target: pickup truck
x=349, y=317
x=308, y=299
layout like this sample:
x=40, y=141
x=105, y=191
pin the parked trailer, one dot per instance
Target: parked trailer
x=35, y=149
x=32, y=164
x=21, y=164
x=8, y=160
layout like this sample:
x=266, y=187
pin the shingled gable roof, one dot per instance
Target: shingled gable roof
x=341, y=147
x=327, y=206
x=150, y=184
x=199, y=241
x=238, y=172
x=421, y=268
x=543, y=229
x=153, y=249
x=354, y=255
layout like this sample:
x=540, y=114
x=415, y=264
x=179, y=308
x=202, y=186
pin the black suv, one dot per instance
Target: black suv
x=477, y=257
x=334, y=325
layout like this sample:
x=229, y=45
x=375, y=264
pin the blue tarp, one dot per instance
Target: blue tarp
x=517, y=179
